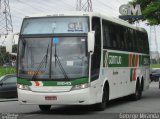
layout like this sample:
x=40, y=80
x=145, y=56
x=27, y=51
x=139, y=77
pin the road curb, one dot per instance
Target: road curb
x=7, y=100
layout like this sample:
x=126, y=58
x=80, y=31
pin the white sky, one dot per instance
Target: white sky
x=21, y=8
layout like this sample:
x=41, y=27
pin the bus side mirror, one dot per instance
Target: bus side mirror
x=9, y=42
x=91, y=41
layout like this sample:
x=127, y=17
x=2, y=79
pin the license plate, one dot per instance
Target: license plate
x=50, y=97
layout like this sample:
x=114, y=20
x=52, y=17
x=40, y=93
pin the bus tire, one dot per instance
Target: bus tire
x=44, y=107
x=142, y=85
x=105, y=98
x=138, y=92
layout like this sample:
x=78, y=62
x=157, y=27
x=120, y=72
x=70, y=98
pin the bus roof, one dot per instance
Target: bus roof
x=80, y=13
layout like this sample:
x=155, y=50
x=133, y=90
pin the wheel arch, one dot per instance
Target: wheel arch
x=106, y=85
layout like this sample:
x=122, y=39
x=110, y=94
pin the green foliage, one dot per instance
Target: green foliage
x=155, y=66
x=7, y=70
x=4, y=56
x=14, y=48
x=150, y=10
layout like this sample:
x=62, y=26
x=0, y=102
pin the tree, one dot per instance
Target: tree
x=150, y=10
x=14, y=48
x=4, y=56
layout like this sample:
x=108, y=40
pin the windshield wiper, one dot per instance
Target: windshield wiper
x=59, y=63
x=44, y=60
x=47, y=56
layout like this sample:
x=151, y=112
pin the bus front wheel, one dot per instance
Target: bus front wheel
x=45, y=107
x=105, y=98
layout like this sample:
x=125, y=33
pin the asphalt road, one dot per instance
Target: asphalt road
x=116, y=109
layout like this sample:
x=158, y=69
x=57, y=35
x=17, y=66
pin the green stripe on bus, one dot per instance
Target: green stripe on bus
x=112, y=59
x=23, y=81
x=55, y=83
x=131, y=74
x=133, y=60
x=62, y=83
x=118, y=60
x=140, y=60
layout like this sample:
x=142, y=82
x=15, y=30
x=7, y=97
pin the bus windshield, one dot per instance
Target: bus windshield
x=40, y=58
x=50, y=25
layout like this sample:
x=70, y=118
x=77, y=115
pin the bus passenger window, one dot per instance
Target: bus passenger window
x=106, y=38
x=118, y=39
x=121, y=35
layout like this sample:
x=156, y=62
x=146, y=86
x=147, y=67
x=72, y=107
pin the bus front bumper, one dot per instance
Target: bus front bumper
x=75, y=97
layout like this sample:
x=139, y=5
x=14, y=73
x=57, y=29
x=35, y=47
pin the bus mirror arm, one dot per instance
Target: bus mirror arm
x=91, y=41
x=91, y=52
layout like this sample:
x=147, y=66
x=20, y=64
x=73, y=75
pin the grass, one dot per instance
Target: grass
x=7, y=70
x=155, y=66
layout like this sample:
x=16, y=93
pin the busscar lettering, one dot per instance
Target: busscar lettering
x=64, y=83
x=114, y=59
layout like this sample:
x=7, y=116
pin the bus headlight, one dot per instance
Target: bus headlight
x=80, y=86
x=23, y=87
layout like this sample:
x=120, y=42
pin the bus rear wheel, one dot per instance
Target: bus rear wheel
x=45, y=107
x=105, y=98
x=138, y=92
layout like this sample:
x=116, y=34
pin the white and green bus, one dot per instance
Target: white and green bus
x=80, y=58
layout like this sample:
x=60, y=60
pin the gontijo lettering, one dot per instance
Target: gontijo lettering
x=114, y=59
